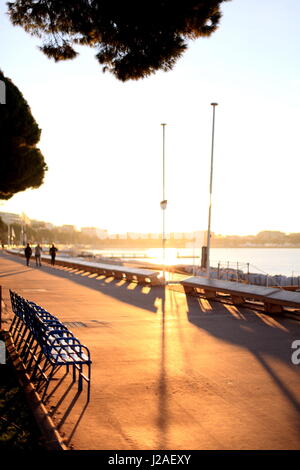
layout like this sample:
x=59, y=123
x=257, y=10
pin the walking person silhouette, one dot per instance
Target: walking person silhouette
x=38, y=252
x=28, y=253
x=52, y=253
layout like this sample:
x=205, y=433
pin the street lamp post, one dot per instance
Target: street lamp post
x=163, y=205
x=210, y=192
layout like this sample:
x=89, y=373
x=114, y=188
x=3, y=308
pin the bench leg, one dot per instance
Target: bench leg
x=89, y=382
x=24, y=337
x=24, y=340
x=12, y=325
x=80, y=379
x=118, y=275
x=272, y=308
x=42, y=375
x=36, y=367
x=20, y=334
x=28, y=344
x=31, y=358
x=188, y=290
x=48, y=382
x=154, y=282
x=210, y=294
x=81, y=376
x=237, y=300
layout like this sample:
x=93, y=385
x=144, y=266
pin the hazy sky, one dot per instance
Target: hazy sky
x=102, y=139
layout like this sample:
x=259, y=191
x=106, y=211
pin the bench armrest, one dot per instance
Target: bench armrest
x=67, y=345
x=63, y=334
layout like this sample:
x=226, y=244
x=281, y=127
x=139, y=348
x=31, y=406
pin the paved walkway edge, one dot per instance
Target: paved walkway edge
x=53, y=439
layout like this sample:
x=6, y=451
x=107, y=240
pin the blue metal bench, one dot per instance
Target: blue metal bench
x=45, y=345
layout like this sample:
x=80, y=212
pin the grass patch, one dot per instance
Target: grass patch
x=18, y=429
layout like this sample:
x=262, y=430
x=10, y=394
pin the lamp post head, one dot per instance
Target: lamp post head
x=163, y=204
x=164, y=124
x=214, y=104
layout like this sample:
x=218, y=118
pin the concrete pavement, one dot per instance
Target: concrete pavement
x=169, y=371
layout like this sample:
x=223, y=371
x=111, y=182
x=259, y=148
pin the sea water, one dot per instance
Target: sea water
x=285, y=261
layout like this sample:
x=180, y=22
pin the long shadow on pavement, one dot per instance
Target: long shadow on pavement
x=131, y=293
x=262, y=335
x=64, y=398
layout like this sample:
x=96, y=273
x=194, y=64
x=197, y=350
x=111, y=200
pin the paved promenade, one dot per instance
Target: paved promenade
x=169, y=371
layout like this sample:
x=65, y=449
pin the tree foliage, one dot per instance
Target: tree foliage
x=133, y=38
x=22, y=164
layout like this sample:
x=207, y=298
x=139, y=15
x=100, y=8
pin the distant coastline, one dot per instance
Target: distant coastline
x=283, y=261
x=15, y=231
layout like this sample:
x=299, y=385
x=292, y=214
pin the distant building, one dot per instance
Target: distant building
x=154, y=236
x=201, y=236
x=122, y=236
x=67, y=228
x=133, y=235
x=10, y=218
x=94, y=232
x=37, y=224
x=49, y=226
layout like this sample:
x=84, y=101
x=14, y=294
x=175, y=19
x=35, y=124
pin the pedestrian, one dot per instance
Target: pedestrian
x=52, y=253
x=38, y=252
x=28, y=253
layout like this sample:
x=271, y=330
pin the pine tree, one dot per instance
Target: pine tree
x=22, y=164
x=133, y=38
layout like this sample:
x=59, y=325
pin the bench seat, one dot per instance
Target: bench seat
x=139, y=275
x=273, y=299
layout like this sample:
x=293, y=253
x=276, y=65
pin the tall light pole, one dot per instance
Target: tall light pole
x=163, y=204
x=210, y=191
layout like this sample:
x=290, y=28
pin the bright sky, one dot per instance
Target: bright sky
x=102, y=139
